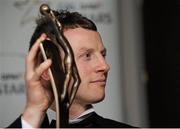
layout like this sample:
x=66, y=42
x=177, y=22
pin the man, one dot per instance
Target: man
x=89, y=54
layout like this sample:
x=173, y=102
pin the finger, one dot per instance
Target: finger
x=30, y=61
x=42, y=68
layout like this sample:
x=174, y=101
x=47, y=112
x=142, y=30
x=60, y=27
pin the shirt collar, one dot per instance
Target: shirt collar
x=82, y=116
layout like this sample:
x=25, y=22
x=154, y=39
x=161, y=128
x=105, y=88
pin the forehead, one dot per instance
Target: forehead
x=80, y=38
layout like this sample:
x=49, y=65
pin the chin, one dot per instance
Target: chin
x=97, y=100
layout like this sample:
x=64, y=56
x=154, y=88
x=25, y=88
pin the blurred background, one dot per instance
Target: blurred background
x=142, y=40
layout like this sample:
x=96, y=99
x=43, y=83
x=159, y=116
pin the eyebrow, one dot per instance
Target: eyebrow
x=84, y=49
x=91, y=49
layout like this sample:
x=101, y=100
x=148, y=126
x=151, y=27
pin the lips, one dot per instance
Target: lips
x=99, y=82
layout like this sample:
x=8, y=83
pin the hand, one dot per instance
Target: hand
x=39, y=91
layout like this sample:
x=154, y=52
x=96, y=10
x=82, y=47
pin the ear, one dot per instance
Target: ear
x=45, y=75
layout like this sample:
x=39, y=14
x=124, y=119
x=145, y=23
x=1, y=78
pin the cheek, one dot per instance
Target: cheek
x=84, y=70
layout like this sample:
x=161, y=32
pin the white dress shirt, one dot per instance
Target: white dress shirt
x=52, y=115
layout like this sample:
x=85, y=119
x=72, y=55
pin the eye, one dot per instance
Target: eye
x=87, y=56
x=103, y=53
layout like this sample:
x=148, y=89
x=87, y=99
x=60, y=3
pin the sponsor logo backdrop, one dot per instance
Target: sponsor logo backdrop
x=17, y=23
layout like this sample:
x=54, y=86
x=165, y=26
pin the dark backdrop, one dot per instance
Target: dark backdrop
x=161, y=20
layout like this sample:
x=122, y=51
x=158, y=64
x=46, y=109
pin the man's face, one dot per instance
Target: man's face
x=89, y=55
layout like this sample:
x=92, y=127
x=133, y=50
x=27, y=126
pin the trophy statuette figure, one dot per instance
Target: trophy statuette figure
x=65, y=69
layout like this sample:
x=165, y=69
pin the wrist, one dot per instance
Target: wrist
x=33, y=116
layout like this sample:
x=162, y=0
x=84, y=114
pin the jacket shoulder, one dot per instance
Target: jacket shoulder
x=109, y=123
x=16, y=124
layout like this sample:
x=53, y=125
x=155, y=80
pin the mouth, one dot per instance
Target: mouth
x=101, y=82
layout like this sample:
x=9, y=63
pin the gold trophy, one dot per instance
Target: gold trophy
x=63, y=71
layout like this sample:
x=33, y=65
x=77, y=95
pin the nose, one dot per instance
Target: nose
x=103, y=66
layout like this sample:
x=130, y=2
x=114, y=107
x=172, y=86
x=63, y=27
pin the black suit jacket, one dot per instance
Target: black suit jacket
x=93, y=121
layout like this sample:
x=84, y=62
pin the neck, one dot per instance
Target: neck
x=76, y=110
